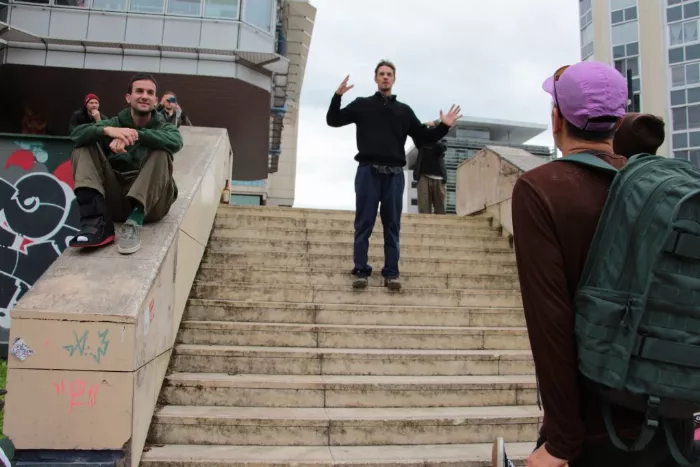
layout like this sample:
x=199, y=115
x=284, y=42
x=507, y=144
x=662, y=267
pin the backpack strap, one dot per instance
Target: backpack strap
x=646, y=432
x=588, y=160
x=675, y=451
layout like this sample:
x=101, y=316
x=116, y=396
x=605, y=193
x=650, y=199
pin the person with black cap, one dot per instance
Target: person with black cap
x=88, y=113
x=639, y=134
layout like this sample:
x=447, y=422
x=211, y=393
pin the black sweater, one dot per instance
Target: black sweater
x=383, y=125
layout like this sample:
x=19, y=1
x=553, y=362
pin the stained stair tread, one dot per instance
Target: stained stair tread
x=479, y=454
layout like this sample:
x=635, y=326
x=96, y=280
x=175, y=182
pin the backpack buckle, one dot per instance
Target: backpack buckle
x=652, y=413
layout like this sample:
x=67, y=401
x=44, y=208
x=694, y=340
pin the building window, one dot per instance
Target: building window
x=688, y=74
x=586, y=22
x=686, y=117
x=258, y=13
x=693, y=96
x=694, y=157
x=414, y=184
x=691, y=10
x=587, y=34
x=72, y=3
x=678, y=97
x=627, y=63
x=228, y=9
x=630, y=65
x=185, y=7
x=111, y=5
x=625, y=33
x=680, y=118
x=680, y=140
x=676, y=55
x=617, y=16
x=674, y=14
x=146, y=6
x=585, y=9
x=621, y=16
x=621, y=4
x=694, y=138
x=685, y=32
x=414, y=202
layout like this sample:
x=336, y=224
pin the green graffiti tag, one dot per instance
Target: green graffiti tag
x=80, y=346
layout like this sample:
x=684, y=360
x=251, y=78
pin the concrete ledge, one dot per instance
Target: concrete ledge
x=485, y=183
x=101, y=326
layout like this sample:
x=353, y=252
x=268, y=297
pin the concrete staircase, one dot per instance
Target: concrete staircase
x=279, y=362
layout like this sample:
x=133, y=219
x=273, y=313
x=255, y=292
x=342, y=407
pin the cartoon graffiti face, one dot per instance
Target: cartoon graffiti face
x=38, y=207
x=38, y=216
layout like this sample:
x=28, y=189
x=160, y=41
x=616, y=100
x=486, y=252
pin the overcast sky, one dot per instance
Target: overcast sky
x=490, y=57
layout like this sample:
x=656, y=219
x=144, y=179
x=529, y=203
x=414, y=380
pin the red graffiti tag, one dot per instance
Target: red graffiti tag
x=77, y=390
x=21, y=158
x=64, y=173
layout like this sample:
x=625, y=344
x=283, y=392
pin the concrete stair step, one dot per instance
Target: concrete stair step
x=280, y=426
x=376, y=248
x=326, y=215
x=262, y=222
x=346, y=294
x=219, y=389
x=193, y=358
x=440, y=455
x=346, y=235
x=329, y=276
x=388, y=315
x=351, y=337
x=343, y=262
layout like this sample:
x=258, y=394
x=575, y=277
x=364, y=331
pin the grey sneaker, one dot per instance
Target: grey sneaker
x=129, y=239
x=499, y=458
x=359, y=282
x=392, y=283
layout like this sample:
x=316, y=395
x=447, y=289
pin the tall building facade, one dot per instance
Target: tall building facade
x=467, y=137
x=656, y=44
x=236, y=64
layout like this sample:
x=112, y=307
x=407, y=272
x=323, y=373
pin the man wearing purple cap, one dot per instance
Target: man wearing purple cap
x=556, y=208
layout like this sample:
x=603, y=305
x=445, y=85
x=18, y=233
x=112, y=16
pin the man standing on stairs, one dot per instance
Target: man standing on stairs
x=556, y=208
x=383, y=125
x=123, y=170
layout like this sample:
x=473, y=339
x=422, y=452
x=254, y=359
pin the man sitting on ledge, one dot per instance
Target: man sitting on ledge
x=123, y=170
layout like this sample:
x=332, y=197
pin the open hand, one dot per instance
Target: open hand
x=128, y=135
x=452, y=116
x=542, y=458
x=343, y=88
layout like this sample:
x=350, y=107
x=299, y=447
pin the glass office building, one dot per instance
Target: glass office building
x=467, y=138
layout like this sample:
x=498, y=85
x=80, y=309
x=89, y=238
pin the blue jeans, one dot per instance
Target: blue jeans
x=371, y=190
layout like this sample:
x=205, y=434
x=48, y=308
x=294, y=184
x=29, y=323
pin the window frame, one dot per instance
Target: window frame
x=273, y=12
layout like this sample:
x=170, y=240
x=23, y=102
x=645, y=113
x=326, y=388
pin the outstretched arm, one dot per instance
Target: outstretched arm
x=337, y=117
x=433, y=134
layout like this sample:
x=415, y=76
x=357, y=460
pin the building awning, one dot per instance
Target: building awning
x=267, y=63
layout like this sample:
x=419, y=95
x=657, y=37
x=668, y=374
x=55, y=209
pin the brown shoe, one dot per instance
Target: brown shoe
x=392, y=283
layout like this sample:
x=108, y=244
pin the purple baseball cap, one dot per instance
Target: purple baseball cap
x=589, y=90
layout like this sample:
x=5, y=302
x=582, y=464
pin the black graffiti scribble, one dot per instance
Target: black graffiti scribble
x=39, y=221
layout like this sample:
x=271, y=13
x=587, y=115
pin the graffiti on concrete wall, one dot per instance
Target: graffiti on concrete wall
x=38, y=213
